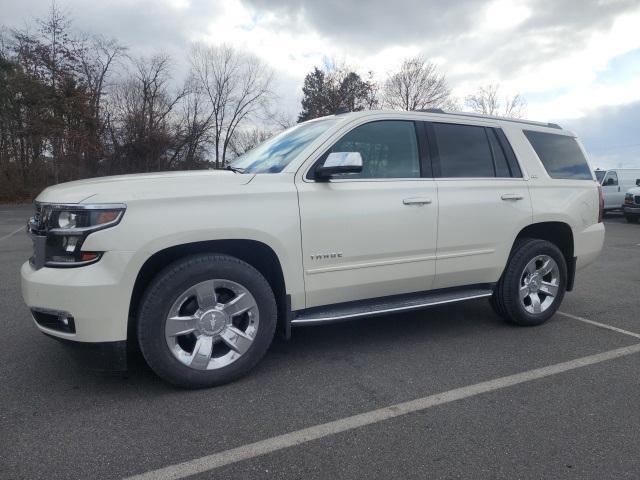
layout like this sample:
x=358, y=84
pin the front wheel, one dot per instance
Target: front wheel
x=533, y=283
x=206, y=320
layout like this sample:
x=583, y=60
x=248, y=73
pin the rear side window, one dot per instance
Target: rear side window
x=560, y=155
x=464, y=151
x=502, y=167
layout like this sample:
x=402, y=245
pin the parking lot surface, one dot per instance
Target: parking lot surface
x=577, y=420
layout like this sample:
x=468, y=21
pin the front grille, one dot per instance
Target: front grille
x=38, y=215
x=59, y=321
x=37, y=230
x=38, y=223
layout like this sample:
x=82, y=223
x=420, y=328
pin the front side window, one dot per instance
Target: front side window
x=464, y=151
x=600, y=175
x=389, y=149
x=611, y=179
x=274, y=154
x=560, y=155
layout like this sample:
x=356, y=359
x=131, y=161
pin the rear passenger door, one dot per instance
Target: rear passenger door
x=483, y=202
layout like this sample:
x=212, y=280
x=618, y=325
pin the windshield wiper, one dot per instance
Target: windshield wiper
x=234, y=169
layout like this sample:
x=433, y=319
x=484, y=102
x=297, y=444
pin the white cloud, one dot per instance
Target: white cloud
x=577, y=72
x=504, y=15
x=292, y=45
x=554, y=50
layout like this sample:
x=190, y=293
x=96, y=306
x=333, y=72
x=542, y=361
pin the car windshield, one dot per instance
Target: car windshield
x=276, y=153
x=600, y=175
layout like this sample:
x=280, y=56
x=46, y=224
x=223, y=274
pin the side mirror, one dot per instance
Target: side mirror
x=339, y=162
x=610, y=181
x=637, y=182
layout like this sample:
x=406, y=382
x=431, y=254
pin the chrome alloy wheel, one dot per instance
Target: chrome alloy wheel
x=212, y=324
x=539, y=284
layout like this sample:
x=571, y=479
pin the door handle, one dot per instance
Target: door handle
x=416, y=201
x=511, y=196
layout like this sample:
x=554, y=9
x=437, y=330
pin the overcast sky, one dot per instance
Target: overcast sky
x=577, y=62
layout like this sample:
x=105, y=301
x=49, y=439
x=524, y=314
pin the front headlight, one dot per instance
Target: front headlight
x=60, y=230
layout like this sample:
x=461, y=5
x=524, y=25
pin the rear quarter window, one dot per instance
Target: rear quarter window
x=560, y=155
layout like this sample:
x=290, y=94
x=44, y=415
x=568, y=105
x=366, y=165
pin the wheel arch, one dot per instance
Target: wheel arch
x=257, y=254
x=558, y=233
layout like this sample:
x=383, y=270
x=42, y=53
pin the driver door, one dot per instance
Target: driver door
x=373, y=233
x=613, y=196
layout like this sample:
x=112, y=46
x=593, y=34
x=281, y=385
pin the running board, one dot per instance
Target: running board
x=385, y=305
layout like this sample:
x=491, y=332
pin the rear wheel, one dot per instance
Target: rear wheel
x=533, y=283
x=206, y=320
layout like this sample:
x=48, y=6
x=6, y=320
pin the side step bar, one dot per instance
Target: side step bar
x=386, y=305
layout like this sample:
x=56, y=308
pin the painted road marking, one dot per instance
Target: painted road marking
x=273, y=444
x=12, y=233
x=601, y=325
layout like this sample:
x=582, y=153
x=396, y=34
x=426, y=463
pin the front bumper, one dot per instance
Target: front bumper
x=631, y=210
x=100, y=356
x=97, y=296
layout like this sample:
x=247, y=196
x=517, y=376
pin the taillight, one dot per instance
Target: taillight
x=600, y=204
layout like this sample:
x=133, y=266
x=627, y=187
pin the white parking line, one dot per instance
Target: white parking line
x=245, y=452
x=601, y=325
x=11, y=234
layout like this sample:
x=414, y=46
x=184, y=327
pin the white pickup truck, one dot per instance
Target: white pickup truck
x=341, y=217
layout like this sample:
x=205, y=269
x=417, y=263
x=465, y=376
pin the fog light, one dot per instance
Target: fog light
x=54, y=320
x=69, y=244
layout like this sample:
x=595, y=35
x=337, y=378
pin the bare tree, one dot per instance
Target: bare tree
x=194, y=131
x=246, y=139
x=140, y=129
x=97, y=57
x=280, y=119
x=416, y=86
x=238, y=86
x=57, y=51
x=486, y=100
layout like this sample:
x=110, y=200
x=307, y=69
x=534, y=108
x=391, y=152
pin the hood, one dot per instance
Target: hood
x=120, y=188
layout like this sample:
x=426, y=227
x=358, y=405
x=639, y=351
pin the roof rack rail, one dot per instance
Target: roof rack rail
x=491, y=117
x=431, y=110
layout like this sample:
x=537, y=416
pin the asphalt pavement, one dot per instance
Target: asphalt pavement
x=486, y=399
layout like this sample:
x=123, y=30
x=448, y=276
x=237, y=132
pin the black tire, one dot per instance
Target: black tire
x=506, y=301
x=631, y=218
x=168, y=285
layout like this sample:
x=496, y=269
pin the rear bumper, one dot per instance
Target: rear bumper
x=588, y=244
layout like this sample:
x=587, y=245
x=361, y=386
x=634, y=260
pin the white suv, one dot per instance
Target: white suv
x=345, y=216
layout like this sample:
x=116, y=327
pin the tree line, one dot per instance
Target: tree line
x=74, y=106
x=418, y=84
